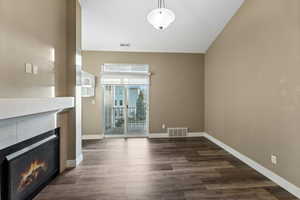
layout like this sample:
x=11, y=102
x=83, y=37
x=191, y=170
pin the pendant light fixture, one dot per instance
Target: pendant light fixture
x=161, y=17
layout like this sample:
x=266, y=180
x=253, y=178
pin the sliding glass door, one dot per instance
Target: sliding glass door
x=137, y=109
x=114, y=110
x=125, y=100
x=126, y=110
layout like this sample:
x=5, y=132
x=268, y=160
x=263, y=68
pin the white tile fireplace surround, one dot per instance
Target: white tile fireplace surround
x=21, y=119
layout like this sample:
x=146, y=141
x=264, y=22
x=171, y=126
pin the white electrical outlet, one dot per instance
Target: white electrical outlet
x=274, y=159
x=163, y=126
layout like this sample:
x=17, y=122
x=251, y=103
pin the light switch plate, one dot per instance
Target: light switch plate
x=28, y=68
x=35, y=69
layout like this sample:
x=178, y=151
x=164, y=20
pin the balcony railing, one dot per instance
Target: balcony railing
x=136, y=118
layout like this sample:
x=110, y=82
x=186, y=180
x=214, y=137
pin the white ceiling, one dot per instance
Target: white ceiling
x=107, y=23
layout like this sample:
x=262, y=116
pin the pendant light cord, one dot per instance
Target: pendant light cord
x=161, y=4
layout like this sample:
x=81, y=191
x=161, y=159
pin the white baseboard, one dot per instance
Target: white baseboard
x=158, y=135
x=196, y=134
x=293, y=189
x=74, y=163
x=165, y=135
x=92, y=137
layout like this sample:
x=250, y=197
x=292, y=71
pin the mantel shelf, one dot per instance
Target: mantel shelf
x=20, y=107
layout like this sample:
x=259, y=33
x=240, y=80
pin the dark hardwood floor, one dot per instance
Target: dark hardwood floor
x=161, y=169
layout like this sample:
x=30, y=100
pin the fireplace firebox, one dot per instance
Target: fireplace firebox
x=26, y=168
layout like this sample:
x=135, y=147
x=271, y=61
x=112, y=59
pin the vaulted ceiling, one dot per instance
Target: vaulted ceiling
x=108, y=23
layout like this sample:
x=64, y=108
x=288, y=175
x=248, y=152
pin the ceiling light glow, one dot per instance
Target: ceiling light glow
x=161, y=18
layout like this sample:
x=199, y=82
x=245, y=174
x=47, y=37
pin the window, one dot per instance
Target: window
x=125, y=68
x=125, y=74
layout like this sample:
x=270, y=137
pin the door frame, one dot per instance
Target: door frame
x=125, y=135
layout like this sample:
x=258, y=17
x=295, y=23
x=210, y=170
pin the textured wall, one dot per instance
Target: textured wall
x=253, y=86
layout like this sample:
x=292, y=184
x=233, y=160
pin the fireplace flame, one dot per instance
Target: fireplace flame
x=31, y=174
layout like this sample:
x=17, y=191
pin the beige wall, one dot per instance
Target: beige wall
x=73, y=75
x=176, y=91
x=29, y=29
x=253, y=85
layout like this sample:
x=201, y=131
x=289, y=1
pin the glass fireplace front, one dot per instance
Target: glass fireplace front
x=28, y=170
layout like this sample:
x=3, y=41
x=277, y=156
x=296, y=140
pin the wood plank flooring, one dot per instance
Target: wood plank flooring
x=160, y=169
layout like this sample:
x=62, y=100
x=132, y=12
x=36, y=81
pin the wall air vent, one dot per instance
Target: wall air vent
x=178, y=132
x=125, y=45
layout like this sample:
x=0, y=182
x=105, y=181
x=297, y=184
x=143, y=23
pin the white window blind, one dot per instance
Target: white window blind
x=124, y=74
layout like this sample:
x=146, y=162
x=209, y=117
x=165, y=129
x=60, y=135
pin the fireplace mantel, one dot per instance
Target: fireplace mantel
x=20, y=107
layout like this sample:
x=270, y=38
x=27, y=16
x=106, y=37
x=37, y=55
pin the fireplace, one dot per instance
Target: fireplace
x=29, y=166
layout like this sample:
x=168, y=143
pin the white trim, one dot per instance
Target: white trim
x=126, y=136
x=20, y=107
x=158, y=135
x=165, y=135
x=74, y=163
x=125, y=64
x=127, y=73
x=114, y=136
x=102, y=103
x=293, y=189
x=144, y=51
x=92, y=137
x=148, y=109
x=196, y=134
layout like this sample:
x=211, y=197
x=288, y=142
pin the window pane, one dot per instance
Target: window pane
x=125, y=68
